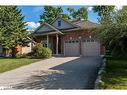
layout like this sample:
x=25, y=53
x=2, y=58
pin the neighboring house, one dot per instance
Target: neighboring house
x=20, y=49
x=24, y=49
x=69, y=38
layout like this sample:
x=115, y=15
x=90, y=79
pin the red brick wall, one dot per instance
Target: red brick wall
x=75, y=35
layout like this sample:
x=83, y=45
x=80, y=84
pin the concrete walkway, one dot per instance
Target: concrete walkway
x=54, y=73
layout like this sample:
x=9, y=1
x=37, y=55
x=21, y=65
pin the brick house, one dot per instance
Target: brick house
x=69, y=38
x=19, y=49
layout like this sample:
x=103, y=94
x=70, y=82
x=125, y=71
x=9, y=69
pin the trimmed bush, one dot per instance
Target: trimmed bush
x=21, y=56
x=41, y=52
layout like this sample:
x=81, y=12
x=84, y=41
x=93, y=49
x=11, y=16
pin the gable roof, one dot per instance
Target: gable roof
x=52, y=27
x=77, y=25
x=63, y=20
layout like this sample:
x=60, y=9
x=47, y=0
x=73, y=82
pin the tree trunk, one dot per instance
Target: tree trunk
x=13, y=52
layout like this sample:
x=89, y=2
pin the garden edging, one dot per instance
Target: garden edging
x=101, y=69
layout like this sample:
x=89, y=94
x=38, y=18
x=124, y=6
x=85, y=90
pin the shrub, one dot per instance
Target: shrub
x=101, y=84
x=21, y=56
x=41, y=52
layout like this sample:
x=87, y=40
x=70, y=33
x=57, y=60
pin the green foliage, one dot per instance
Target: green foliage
x=81, y=13
x=50, y=13
x=115, y=76
x=41, y=52
x=21, y=56
x=28, y=55
x=113, y=30
x=101, y=84
x=12, y=27
x=104, y=12
x=7, y=64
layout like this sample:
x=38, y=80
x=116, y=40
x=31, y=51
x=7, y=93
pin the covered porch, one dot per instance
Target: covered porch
x=50, y=40
x=49, y=37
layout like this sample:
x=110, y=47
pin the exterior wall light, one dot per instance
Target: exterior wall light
x=90, y=37
x=79, y=37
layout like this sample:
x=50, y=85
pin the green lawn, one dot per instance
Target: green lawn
x=7, y=64
x=116, y=74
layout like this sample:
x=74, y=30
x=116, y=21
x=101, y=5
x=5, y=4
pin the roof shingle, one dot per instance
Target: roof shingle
x=85, y=24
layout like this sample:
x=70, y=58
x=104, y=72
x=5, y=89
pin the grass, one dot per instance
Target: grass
x=115, y=76
x=7, y=64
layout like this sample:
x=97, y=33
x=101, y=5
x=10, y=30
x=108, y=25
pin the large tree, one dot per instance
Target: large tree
x=104, y=13
x=79, y=14
x=12, y=28
x=50, y=13
x=113, y=34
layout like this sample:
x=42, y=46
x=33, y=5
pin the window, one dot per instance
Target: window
x=69, y=41
x=92, y=40
x=77, y=41
x=73, y=41
x=59, y=23
x=84, y=40
x=88, y=40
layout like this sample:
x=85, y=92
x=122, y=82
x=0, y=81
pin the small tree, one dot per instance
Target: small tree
x=41, y=52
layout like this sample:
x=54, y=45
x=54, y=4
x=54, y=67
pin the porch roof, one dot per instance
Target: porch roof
x=46, y=33
x=53, y=31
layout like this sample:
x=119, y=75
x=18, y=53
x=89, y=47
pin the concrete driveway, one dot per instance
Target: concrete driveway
x=54, y=73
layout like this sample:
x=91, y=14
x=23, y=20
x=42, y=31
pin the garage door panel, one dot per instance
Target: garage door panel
x=90, y=48
x=71, y=48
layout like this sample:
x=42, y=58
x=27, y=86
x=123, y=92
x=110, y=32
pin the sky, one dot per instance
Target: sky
x=32, y=14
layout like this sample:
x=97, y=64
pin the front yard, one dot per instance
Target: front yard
x=7, y=64
x=115, y=76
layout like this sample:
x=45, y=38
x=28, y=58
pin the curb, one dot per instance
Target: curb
x=101, y=69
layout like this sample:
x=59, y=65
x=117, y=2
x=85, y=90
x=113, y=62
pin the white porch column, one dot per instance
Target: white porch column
x=57, y=43
x=47, y=40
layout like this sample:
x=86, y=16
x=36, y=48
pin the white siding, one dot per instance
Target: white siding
x=26, y=49
x=64, y=24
